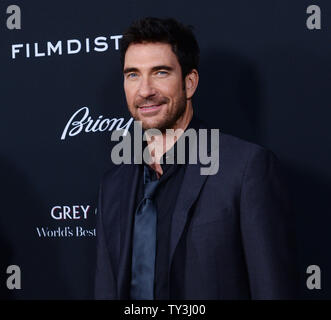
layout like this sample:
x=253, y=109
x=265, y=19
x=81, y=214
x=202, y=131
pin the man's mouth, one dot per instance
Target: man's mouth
x=149, y=108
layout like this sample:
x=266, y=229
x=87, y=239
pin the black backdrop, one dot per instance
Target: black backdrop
x=264, y=77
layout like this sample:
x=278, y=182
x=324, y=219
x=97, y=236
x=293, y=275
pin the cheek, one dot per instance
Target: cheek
x=169, y=90
x=129, y=94
x=177, y=95
x=175, y=90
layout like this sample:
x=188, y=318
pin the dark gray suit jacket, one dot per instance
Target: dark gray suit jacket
x=232, y=234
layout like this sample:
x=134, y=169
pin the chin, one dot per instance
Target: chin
x=151, y=125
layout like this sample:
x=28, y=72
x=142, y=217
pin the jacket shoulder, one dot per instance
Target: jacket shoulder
x=113, y=175
x=236, y=155
x=239, y=147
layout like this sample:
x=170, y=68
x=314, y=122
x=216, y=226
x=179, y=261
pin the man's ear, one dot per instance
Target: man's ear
x=191, y=83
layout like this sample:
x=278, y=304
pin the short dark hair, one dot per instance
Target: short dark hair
x=180, y=37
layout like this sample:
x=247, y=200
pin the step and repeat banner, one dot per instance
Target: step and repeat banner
x=265, y=76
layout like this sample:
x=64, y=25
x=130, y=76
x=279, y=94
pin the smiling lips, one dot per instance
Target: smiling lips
x=149, y=108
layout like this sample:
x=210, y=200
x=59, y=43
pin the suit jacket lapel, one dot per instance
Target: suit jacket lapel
x=128, y=198
x=193, y=181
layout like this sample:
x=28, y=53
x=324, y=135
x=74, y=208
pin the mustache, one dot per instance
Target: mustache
x=151, y=101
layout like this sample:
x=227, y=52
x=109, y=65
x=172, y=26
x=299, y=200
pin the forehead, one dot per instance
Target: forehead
x=149, y=55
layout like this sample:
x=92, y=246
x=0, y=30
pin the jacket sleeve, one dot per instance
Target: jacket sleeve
x=105, y=284
x=267, y=226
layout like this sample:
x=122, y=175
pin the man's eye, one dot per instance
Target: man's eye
x=162, y=73
x=132, y=75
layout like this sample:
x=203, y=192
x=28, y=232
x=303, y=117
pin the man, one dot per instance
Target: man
x=165, y=231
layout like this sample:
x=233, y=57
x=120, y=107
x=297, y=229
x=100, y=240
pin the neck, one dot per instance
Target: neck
x=162, y=143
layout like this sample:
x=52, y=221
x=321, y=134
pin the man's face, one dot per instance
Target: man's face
x=153, y=85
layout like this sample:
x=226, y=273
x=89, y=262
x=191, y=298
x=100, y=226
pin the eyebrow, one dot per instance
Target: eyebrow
x=156, y=68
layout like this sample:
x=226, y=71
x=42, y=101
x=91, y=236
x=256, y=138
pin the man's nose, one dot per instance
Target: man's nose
x=146, y=88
